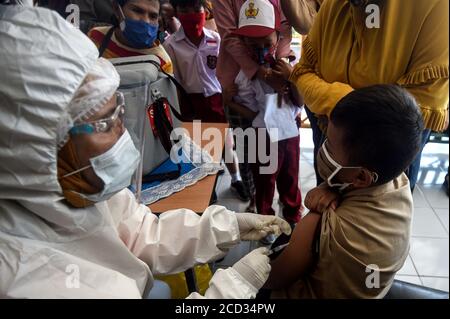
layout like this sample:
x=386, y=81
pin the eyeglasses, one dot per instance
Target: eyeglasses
x=103, y=125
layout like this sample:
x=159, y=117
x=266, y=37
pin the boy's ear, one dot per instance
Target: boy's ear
x=363, y=179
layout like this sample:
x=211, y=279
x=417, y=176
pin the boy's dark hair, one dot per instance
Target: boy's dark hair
x=188, y=3
x=382, y=129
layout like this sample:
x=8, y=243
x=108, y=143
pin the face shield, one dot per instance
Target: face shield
x=98, y=87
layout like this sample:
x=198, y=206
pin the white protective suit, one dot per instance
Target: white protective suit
x=110, y=250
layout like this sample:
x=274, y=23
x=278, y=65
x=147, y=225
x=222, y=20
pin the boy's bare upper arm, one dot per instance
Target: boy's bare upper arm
x=295, y=260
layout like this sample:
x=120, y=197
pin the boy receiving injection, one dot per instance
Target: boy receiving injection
x=356, y=236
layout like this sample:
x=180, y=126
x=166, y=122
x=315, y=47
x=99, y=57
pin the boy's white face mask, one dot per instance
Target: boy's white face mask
x=328, y=168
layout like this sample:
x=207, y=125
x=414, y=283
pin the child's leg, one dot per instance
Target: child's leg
x=246, y=170
x=231, y=160
x=265, y=190
x=237, y=122
x=247, y=178
x=238, y=175
x=264, y=183
x=287, y=180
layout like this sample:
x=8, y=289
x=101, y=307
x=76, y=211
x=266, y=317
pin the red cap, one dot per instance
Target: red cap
x=258, y=18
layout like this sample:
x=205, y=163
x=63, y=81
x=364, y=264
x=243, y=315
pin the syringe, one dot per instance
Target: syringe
x=277, y=249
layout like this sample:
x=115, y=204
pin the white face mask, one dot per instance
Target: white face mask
x=115, y=168
x=328, y=168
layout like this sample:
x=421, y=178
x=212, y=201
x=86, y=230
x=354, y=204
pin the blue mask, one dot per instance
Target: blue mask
x=261, y=54
x=139, y=34
x=265, y=56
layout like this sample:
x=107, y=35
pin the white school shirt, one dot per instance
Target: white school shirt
x=252, y=94
x=195, y=67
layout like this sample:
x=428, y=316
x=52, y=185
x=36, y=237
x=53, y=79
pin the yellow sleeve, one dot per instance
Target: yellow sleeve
x=320, y=96
x=428, y=71
x=168, y=67
x=161, y=53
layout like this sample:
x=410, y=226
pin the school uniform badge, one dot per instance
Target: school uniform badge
x=211, y=61
x=251, y=12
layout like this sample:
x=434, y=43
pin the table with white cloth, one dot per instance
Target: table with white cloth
x=197, y=197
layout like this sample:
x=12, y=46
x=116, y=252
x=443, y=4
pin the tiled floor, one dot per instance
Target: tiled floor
x=428, y=261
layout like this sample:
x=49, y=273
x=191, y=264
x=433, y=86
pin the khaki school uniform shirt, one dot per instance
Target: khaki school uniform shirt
x=369, y=231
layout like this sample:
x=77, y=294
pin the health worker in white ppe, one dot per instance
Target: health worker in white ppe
x=66, y=160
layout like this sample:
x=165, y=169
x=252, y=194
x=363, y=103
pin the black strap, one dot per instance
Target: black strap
x=174, y=81
x=105, y=42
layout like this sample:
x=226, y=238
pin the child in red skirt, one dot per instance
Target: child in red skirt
x=259, y=27
x=194, y=50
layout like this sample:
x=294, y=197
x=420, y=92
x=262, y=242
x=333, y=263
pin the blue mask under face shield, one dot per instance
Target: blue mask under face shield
x=139, y=34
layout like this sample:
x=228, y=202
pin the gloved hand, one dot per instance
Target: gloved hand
x=256, y=227
x=255, y=267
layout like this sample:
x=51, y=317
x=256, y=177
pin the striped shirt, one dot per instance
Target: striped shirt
x=117, y=50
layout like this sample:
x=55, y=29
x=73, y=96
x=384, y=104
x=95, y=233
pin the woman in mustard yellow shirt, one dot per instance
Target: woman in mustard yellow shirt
x=346, y=49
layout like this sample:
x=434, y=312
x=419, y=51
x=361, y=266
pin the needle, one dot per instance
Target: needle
x=277, y=249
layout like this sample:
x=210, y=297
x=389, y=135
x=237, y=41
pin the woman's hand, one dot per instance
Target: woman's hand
x=255, y=267
x=256, y=227
x=282, y=72
x=272, y=78
x=283, y=69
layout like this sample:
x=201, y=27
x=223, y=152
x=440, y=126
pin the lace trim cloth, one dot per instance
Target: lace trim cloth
x=204, y=166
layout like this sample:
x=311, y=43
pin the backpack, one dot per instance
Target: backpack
x=151, y=112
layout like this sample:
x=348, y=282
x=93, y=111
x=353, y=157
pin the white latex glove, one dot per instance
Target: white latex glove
x=256, y=227
x=255, y=267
